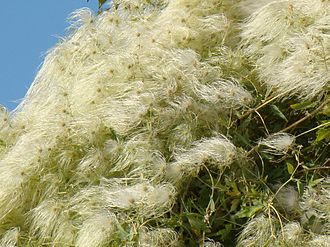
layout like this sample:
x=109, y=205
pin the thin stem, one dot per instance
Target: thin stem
x=263, y=122
x=306, y=117
x=317, y=127
x=268, y=100
x=279, y=218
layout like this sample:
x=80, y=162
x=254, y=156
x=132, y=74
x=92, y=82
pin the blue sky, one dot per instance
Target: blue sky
x=28, y=30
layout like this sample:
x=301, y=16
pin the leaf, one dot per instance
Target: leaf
x=322, y=134
x=234, y=204
x=326, y=110
x=122, y=232
x=290, y=168
x=303, y=105
x=242, y=139
x=299, y=187
x=315, y=182
x=248, y=212
x=211, y=205
x=101, y=2
x=278, y=112
x=196, y=222
x=224, y=233
x=245, y=123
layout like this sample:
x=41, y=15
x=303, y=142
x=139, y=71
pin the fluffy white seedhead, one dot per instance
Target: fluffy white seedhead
x=162, y=237
x=92, y=160
x=138, y=156
x=291, y=234
x=16, y=167
x=319, y=241
x=4, y=126
x=191, y=23
x=289, y=41
x=258, y=232
x=217, y=151
x=278, y=21
x=141, y=199
x=249, y=7
x=9, y=194
x=125, y=113
x=212, y=243
x=226, y=93
x=277, y=144
x=287, y=198
x=81, y=17
x=305, y=72
x=10, y=238
x=315, y=205
x=97, y=230
x=50, y=220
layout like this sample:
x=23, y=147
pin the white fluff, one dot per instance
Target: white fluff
x=277, y=144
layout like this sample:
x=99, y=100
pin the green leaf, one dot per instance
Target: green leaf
x=211, y=205
x=326, y=111
x=323, y=134
x=300, y=187
x=303, y=105
x=248, y=212
x=101, y=2
x=278, y=112
x=121, y=231
x=234, y=204
x=290, y=168
x=315, y=182
x=224, y=233
x=242, y=139
x=196, y=222
x=245, y=123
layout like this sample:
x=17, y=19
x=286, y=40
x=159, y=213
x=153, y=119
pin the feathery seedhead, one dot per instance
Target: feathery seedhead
x=227, y=93
x=97, y=230
x=10, y=238
x=4, y=117
x=287, y=198
x=277, y=144
x=123, y=100
x=212, y=243
x=289, y=45
x=291, y=234
x=141, y=199
x=315, y=205
x=258, y=232
x=162, y=237
x=319, y=241
x=216, y=151
x=47, y=219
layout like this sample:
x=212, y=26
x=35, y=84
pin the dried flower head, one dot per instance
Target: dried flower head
x=10, y=238
x=277, y=144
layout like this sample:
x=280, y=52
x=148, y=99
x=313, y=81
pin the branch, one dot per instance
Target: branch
x=308, y=115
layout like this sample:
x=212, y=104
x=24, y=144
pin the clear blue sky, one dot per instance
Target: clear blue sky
x=27, y=30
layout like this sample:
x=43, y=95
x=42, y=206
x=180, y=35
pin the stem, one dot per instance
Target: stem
x=306, y=117
x=268, y=100
x=317, y=127
x=296, y=123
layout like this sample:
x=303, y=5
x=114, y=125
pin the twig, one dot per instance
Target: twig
x=306, y=117
x=295, y=124
x=317, y=127
x=267, y=101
